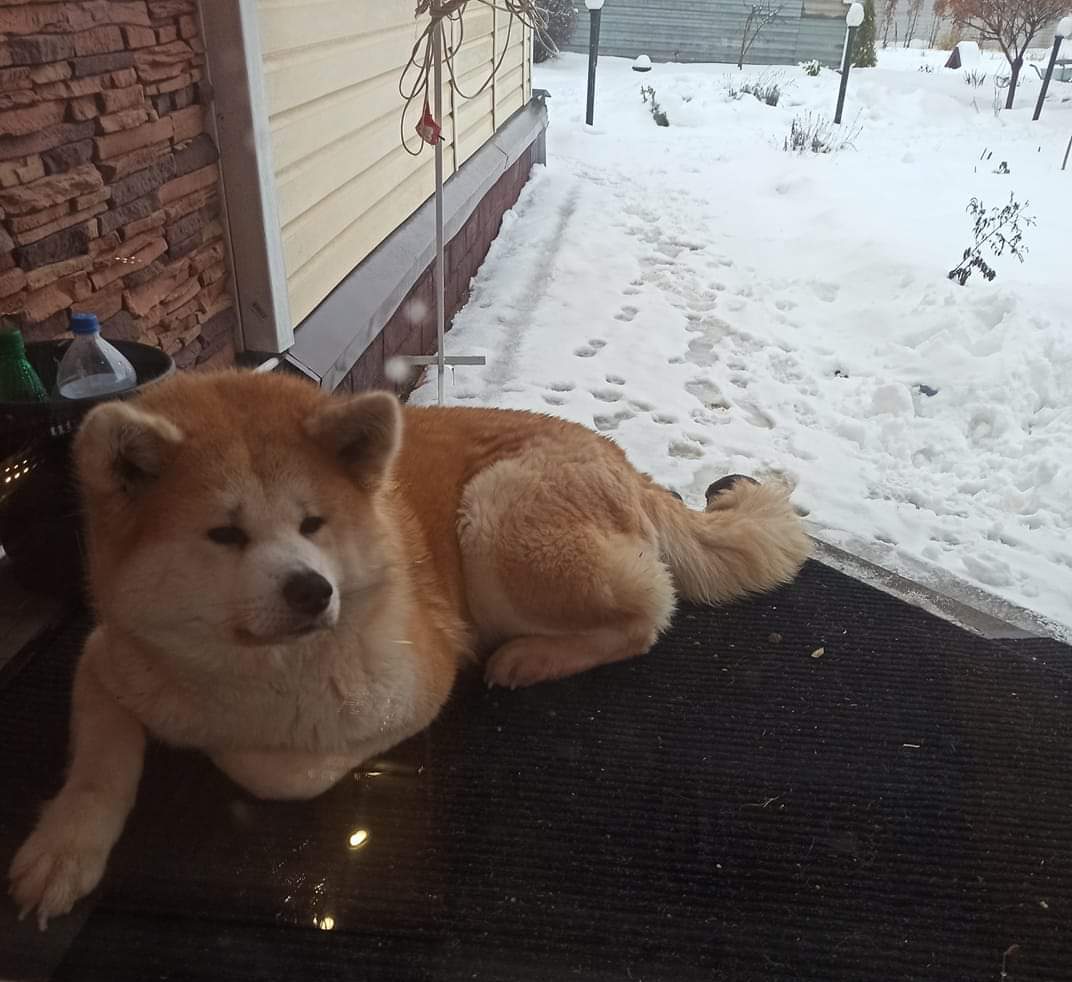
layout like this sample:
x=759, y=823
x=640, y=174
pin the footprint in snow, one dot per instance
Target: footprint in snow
x=607, y=395
x=702, y=352
x=615, y=379
x=702, y=304
x=756, y=416
x=561, y=386
x=611, y=421
x=683, y=448
x=664, y=419
x=827, y=292
x=590, y=349
x=626, y=314
x=707, y=392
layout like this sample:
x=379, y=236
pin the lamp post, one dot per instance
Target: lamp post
x=853, y=19
x=1064, y=29
x=595, y=12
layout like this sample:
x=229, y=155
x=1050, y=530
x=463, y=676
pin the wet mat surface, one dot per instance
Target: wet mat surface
x=728, y=807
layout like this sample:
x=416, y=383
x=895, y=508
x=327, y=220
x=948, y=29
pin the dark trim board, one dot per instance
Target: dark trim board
x=329, y=342
x=953, y=600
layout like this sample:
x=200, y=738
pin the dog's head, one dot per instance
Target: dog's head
x=236, y=508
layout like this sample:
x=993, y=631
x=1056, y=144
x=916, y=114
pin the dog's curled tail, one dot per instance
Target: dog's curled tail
x=749, y=540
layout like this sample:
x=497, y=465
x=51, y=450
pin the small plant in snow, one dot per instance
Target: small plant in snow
x=997, y=230
x=928, y=69
x=647, y=93
x=765, y=90
x=812, y=68
x=816, y=134
x=975, y=78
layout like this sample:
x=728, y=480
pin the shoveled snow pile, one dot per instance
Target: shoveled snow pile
x=716, y=304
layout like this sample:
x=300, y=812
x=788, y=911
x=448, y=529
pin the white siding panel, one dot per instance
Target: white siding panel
x=334, y=264
x=343, y=181
x=298, y=135
x=296, y=78
x=290, y=24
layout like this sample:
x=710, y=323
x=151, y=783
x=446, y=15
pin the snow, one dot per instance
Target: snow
x=717, y=305
x=970, y=55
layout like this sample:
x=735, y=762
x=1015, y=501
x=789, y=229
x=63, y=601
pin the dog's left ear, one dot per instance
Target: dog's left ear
x=363, y=431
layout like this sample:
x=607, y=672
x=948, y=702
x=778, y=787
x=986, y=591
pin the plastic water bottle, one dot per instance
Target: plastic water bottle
x=18, y=380
x=91, y=367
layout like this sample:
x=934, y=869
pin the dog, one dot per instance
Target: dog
x=290, y=582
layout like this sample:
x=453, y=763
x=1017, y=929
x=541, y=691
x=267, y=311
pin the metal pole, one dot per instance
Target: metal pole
x=846, y=63
x=1068, y=150
x=438, y=272
x=1049, y=72
x=593, y=56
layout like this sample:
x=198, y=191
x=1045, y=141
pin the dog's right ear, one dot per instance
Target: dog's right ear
x=120, y=448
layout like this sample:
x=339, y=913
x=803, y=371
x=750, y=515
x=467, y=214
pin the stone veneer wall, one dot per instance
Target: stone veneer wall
x=109, y=186
x=412, y=329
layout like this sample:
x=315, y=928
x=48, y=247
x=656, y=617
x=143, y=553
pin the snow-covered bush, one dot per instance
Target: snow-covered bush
x=561, y=21
x=812, y=68
x=814, y=133
x=996, y=229
x=975, y=78
x=764, y=90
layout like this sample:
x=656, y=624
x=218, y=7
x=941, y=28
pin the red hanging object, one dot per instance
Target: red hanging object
x=427, y=128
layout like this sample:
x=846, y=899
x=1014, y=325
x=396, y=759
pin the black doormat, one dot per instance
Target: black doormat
x=736, y=805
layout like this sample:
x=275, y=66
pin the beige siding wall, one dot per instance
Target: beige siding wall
x=343, y=180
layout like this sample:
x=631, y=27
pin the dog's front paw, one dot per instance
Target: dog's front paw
x=59, y=864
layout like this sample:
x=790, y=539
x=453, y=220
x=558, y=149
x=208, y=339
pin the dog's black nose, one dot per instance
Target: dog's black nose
x=308, y=592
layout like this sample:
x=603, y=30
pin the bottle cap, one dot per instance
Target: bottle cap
x=85, y=324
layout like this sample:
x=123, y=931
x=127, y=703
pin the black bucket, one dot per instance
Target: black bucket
x=40, y=514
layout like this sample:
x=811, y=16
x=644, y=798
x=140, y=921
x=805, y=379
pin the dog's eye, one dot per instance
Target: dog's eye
x=228, y=535
x=311, y=525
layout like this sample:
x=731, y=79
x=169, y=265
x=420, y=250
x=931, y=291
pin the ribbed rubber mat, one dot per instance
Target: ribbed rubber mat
x=736, y=805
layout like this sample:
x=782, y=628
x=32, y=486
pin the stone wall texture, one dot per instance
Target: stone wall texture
x=109, y=183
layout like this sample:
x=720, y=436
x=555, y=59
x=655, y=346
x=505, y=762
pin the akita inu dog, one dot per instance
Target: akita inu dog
x=290, y=581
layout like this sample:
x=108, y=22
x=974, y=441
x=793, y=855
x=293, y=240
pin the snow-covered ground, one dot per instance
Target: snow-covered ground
x=718, y=305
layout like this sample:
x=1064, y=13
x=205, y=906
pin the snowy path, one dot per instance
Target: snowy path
x=715, y=304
